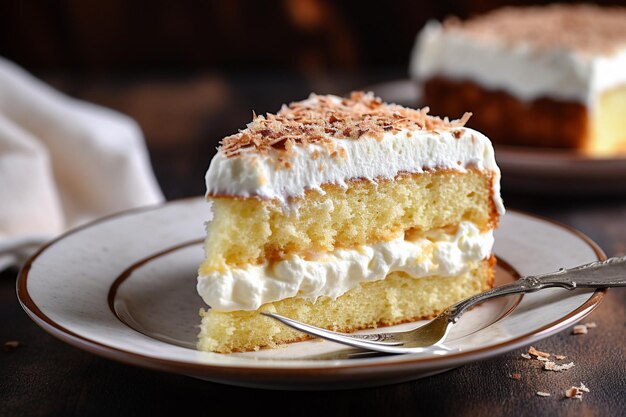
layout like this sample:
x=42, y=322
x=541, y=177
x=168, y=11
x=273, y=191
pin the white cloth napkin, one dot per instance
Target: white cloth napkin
x=63, y=162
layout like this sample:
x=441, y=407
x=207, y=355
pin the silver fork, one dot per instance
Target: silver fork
x=602, y=274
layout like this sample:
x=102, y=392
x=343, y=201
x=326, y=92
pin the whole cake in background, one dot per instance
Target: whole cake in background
x=548, y=76
x=344, y=213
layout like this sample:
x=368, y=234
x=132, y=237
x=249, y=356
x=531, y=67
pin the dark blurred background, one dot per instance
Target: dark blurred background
x=191, y=72
x=101, y=36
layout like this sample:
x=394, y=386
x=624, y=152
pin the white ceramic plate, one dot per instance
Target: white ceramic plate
x=124, y=288
x=533, y=169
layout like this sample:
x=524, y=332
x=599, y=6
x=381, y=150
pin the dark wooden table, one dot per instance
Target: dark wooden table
x=183, y=118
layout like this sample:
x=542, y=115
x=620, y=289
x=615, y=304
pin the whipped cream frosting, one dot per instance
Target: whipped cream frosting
x=522, y=69
x=334, y=273
x=254, y=174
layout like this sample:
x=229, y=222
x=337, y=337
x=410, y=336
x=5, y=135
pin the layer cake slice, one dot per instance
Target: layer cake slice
x=541, y=76
x=345, y=213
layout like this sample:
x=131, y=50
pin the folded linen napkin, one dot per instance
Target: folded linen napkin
x=63, y=162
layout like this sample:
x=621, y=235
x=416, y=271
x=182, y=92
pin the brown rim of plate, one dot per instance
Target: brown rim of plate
x=216, y=371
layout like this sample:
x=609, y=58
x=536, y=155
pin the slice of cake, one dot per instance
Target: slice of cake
x=345, y=214
x=559, y=69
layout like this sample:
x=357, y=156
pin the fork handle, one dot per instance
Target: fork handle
x=599, y=274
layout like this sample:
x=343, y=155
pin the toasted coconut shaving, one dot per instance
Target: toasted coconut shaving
x=538, y=353
x=320, y=119
x=543, y=394
x=576, y=392
x=551, y=366
x=11, y=344
x=579, y=329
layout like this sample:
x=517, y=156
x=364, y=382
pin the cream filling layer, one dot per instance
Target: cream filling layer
x=332, y=274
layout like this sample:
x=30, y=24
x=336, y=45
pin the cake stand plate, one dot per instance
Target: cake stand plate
x=123, y=288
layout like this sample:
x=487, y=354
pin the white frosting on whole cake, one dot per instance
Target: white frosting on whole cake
x=522, y=69
x=255, y=174
x=334, y=273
